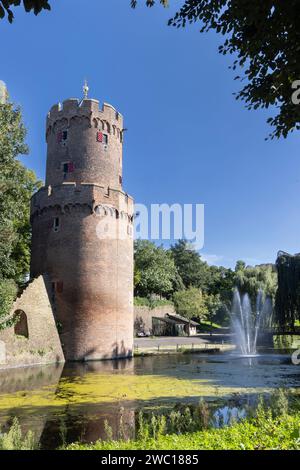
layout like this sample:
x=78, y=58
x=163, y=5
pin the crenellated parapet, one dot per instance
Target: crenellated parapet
x=70, y=197
x=73, y=112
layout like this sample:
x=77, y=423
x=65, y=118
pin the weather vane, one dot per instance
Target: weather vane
x=85, y=89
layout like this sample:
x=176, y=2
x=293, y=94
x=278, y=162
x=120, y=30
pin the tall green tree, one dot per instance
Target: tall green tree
x=264, y=37
x=8, y=291
x=190, y=303
x=212, y=303
x=252, y=278
x=222, y=281
x=192, y=270
x=155, y=271
x=17, y=184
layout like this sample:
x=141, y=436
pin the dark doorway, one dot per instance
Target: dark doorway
x=21, y=326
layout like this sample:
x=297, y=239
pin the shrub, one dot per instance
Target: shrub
x=14, y=440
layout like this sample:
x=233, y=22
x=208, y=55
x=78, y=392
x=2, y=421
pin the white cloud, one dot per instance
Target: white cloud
x=252, y=261
x=211, y=258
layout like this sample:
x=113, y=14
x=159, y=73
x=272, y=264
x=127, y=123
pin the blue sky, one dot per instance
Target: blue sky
x=188, y=140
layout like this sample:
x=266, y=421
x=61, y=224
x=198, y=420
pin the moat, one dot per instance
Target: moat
x=63, y=404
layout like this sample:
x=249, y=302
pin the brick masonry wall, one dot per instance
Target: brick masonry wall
x=43, y=344
x=91, y=253
x=143, y=316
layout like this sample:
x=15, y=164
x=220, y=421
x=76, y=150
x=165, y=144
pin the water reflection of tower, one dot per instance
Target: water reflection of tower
x=85, y=422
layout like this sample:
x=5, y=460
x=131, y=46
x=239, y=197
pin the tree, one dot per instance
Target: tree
x=264, y=37
x=8, y=291
x=150, y=3
x=220, y=280
x=190, y=303
x=193, y=271
x=17, y=185
x=240, y=265
x=252, y=278
x=36, y=5
x=156, y=268
x=212, y=303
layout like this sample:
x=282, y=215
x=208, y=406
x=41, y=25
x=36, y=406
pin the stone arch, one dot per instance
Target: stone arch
x=75, y=120
x=95, y=122
x=109, y=210
x=21, y=325
x=107, y=126
x=99, y=210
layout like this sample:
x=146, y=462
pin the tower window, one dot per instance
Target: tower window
x=102, y=138
x=120, y=179
x=68, y=167
x=57, y=286
x=62, y=137
x=56, y=224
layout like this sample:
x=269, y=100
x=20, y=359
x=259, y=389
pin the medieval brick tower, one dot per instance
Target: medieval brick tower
x=82, y=230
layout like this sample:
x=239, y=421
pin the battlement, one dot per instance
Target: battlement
x=87, y=194
x=86, y=107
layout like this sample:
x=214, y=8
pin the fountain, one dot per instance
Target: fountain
x=246, y=323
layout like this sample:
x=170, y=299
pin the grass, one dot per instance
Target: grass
x=207, y=326
x=262, y=433
x=273, y=424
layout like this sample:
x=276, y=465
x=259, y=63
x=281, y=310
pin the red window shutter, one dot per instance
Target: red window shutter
x=99, y=137
x=59, y=287
x=70, y=167
x=59, y=137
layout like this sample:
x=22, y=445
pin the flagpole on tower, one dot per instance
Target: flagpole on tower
x=85, y=89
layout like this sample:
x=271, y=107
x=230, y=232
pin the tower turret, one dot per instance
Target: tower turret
x=82, y=230
x=84, y=144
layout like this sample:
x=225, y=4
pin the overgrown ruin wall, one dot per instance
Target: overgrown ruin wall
x=34, y=338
